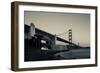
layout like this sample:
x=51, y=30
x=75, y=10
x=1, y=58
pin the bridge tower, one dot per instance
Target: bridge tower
x=70, y=36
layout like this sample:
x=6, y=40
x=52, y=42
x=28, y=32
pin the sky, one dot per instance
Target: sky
x=58, y=23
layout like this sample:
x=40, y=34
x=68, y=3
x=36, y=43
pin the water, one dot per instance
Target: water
x=41, y=55
x=75, y=54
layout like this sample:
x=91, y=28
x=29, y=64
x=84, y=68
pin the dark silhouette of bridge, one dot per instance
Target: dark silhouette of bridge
x=51, y=36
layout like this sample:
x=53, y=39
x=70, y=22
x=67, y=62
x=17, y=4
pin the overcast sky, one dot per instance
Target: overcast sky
x=57, y=23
